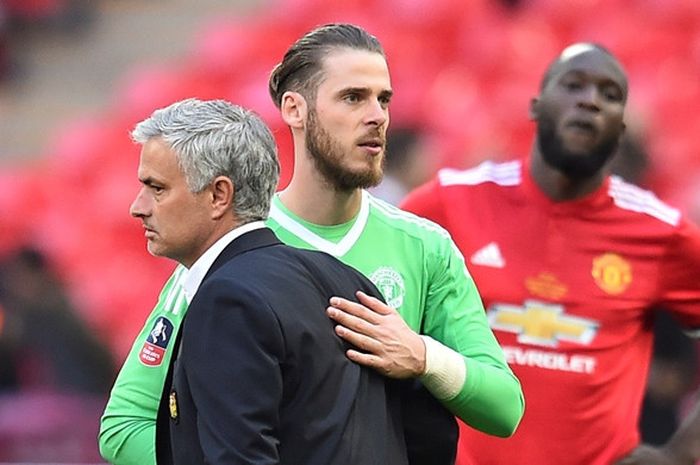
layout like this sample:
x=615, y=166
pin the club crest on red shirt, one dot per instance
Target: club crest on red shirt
x=612, y=273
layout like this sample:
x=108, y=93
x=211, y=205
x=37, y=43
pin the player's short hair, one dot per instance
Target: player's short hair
x=576, y=48
x=301, y=68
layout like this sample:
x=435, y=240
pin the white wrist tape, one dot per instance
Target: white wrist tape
x=445, y=370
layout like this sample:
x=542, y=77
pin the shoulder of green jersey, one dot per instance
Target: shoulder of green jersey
x=633, y=198
x=417, y=226
x=408, y=219
x=503, y=174
x=174, y=294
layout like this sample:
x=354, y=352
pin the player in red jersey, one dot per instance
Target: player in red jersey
x=570, y=262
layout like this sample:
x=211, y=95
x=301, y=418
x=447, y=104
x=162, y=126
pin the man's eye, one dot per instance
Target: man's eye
x=352, y=98
x=613, y=95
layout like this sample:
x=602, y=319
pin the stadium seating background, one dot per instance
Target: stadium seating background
x=464, y=70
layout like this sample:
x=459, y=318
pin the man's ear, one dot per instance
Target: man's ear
x=623, y=130
x=534, y=110
x=293, y=109
x=222, y=194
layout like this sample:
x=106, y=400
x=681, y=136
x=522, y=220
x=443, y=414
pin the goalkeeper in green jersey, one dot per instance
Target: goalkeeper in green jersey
x=333, y=90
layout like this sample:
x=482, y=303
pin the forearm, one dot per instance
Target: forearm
x=445, y=371
x=128, y=425
x=485, y=397
x=125, y=441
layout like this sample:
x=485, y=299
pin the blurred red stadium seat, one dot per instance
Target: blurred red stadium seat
x=465, y=71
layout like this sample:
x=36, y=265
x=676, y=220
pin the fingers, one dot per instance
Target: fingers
x=374, y=304
x=350, y=322
x=368, y=360
x=380, y=337
x=361, y=341
x=384, y=364
x=354, y=309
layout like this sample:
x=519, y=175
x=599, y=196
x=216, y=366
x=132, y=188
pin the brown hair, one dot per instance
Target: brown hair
x=300, y=69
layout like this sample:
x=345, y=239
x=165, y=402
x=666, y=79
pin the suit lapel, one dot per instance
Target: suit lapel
x=255, y=239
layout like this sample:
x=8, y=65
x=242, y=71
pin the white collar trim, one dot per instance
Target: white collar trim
x=318, y=242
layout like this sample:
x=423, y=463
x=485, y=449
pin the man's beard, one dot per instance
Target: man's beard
x=327, y=155
x=573, y=165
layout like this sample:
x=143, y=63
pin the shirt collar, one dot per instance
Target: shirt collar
x=599, y=197
x=196, y=273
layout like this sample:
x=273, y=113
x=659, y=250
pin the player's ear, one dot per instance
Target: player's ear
x=294, y=109
x=623, y=130
x=533, y=112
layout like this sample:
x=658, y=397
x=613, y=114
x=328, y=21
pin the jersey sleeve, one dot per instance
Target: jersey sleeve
x=425, y=201
x=679, y=288
x=128, y=424
x=491, y=399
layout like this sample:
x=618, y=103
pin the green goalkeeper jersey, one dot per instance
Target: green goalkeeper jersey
x=420, y=272
x=128, y=427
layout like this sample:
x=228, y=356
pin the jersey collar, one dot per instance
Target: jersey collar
x=303, y=229
x=595, y=199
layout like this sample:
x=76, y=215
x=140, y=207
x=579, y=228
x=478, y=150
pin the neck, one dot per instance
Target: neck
x=557, y=185
x=219, y=230
x=319, y=203
x=312, y=198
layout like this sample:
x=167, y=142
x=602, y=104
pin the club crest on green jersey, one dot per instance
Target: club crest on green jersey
x=391, y=284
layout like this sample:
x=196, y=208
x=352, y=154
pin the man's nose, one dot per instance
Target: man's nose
x=589, y=98
x=377, y=113
x=139, y=207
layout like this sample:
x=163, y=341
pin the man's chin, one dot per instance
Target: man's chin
x=581, y=170
x=367, y=182
x=357, y=180
x=153, y=249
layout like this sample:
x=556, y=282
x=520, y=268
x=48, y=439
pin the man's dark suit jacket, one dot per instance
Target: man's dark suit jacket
x=261, y=377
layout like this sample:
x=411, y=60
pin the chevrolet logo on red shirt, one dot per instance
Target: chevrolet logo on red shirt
x=541, y=324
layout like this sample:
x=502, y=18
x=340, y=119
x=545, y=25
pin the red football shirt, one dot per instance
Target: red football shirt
x=570, y=289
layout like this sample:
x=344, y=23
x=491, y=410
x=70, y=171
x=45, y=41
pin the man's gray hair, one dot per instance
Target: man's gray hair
x=217, y=138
